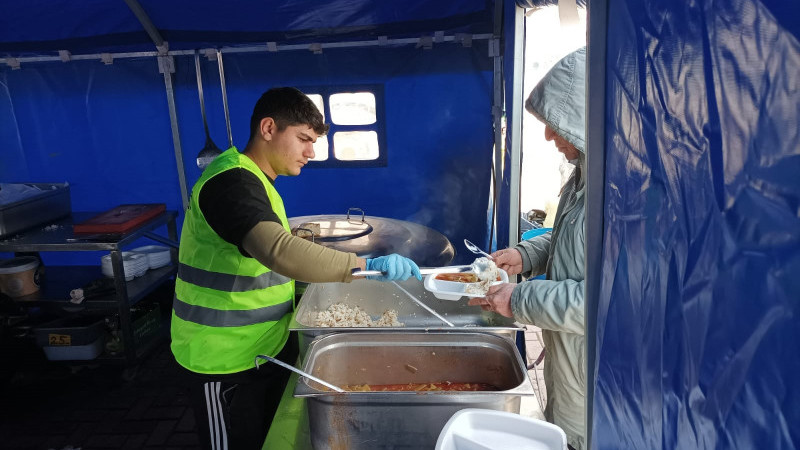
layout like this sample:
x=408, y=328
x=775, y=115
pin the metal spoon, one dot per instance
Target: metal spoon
x=417, y=301
x=474, y=249
x=298, y=371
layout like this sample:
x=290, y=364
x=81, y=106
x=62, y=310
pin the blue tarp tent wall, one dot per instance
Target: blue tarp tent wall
x=105, y=128
x=697, y=322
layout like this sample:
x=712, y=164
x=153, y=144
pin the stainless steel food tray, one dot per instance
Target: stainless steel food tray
x=51, y=203
x=377, y=420
x=375, y=297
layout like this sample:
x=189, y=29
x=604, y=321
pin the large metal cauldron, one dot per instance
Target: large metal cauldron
x=369, y=236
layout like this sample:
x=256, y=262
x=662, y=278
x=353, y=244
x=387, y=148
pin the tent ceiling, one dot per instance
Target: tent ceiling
x=45, y=26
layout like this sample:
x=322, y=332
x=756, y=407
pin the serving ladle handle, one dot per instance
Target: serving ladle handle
x=298, y=371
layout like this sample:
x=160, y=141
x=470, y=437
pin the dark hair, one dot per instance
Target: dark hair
x=286, y=106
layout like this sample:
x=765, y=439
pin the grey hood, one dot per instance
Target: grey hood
x=559, y=100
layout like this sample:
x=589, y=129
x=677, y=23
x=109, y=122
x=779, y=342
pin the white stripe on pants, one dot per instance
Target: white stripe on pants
x=216, y=420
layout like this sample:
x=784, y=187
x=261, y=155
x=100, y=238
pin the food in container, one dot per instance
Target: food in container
x=405, y=418
x=342, y=315
x=463, y=286
x=374, y=297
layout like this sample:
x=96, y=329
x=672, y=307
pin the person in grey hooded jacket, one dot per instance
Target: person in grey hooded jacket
x=555, y=304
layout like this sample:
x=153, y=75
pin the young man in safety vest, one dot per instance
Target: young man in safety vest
x=234, y=291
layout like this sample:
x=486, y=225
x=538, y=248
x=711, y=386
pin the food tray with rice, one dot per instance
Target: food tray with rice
x=368, y=305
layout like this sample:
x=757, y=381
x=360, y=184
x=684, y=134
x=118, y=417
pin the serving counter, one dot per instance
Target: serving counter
x=434, y=350
x=290, y=427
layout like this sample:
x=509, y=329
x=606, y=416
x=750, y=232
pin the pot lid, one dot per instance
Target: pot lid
x=370, y=237
x=334, y=228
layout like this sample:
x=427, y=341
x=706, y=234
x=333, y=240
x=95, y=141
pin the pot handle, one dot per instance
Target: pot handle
x=356, y=209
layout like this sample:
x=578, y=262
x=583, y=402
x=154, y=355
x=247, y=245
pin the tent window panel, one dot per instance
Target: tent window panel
x=317, y=99
x=353, y=108
x=321, y=146
x=321, y=149
x=356, y=117
x=356, y=145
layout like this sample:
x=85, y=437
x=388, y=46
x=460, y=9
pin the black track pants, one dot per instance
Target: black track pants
x=234, y=411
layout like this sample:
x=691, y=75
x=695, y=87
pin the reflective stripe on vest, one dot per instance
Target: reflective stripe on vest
x=229, y=282
x=232, y=318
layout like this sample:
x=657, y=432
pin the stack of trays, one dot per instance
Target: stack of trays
x=135, y=265
x=157, y=256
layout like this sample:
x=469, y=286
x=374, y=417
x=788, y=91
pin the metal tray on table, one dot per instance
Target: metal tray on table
x=375, y=297
x=50, y=203
x=405, y=419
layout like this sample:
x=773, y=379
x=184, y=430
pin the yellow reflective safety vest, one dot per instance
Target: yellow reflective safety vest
x=227, y=308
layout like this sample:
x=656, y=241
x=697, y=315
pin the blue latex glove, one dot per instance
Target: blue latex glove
x=394, y=267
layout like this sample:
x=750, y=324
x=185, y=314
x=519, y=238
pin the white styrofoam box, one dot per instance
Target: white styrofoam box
x=485, y=429
x=454, y=290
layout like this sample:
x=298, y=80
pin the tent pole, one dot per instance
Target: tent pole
x=596, y=37
x=248, y=49
x=497, y=118
x=166, y=65
x=515, y=131
x=147, y=24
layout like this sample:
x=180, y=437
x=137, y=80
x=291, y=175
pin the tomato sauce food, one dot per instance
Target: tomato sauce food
x=466, y=277
x=442, y=386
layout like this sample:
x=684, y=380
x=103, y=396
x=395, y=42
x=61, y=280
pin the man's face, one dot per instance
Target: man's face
x=563, y=145
x=294, y=147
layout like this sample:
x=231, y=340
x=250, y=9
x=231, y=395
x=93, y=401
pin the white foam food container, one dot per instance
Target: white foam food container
x=485, y=429
x=157, y=256
x=454, y=290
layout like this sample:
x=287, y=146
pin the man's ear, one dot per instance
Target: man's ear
x=267, y=128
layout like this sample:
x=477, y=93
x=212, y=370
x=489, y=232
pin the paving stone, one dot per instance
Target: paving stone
x=162, y=432
x=106, y=441
x=135, y=426
x=140, y=408
x=164, y=412
x=83, y=431
x=120, y=401
x=89, y=415
x=135, y=442
x=166, y=396
x=187, y=422
x=56, y=441
x=27, y=441
x=94, y=408
x=183, y=439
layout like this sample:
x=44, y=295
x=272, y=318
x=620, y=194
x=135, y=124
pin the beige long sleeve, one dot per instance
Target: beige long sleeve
x=297, y=258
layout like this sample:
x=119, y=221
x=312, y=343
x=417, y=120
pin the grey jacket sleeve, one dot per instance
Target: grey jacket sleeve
x=550, y=305
x=535, y=252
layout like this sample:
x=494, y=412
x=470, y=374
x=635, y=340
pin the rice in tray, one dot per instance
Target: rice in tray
x=485, y=279
x=342, y=315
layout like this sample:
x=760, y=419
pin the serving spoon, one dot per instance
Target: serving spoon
x=298, y=371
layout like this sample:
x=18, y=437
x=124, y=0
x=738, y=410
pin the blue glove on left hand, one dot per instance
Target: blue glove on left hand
x=394, y=267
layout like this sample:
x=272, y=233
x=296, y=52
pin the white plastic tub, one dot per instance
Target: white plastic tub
x=484, y=429
x=19, y=276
